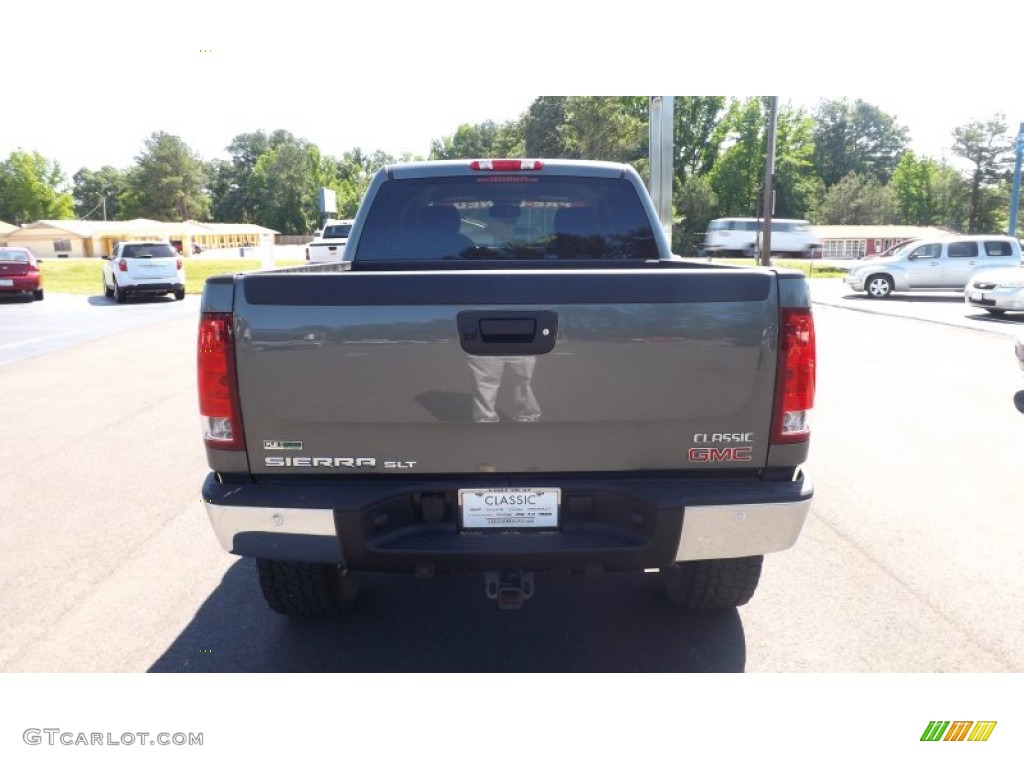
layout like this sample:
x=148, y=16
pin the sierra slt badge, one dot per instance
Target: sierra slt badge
x=332, y=462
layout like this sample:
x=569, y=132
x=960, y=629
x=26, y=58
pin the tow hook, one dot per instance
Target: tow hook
x=510, y=588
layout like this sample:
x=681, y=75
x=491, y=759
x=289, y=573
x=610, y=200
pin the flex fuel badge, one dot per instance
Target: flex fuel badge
x=282, y=445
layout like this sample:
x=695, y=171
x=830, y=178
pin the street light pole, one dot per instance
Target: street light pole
x=1015, y=196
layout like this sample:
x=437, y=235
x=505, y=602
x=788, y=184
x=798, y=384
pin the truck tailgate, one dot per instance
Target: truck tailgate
x=452, y=372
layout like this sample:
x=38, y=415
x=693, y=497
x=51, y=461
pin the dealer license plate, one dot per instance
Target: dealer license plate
x=485, y=509
x=6, y=283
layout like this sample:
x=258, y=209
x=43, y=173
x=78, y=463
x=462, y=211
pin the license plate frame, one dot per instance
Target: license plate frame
x=483, y=510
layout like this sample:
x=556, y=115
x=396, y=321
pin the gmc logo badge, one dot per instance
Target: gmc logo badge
x=725, y=453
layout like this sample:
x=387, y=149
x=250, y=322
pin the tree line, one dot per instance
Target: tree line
x=843, y=162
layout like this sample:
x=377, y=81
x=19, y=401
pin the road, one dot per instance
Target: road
x=910, y=561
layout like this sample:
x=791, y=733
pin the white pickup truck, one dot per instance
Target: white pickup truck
x=330, y=245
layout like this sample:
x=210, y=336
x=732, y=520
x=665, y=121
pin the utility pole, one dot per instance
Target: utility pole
x=769, y=184
x=1015, y=196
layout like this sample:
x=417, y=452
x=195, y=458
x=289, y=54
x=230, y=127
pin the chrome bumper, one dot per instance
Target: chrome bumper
x=715, y=532
x=709, y=532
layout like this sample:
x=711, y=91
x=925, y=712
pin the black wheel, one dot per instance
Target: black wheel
x=306, y=589
x=996, y=312
x=879, y=286
x=707, y=584
x=179, y=294
x=117, y=293
x=108, y=292
x=38, y=294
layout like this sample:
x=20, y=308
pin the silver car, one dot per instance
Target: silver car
x=941, y=264
x=997, y=290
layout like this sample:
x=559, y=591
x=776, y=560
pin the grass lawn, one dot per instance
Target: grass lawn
x=82, y=276
x=809, y=267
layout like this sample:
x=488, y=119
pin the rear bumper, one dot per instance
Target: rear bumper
x=1008, y=299
x=391, y=524
x=165, y=286
x=20, y=283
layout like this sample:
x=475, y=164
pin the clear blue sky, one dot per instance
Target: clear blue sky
x=98, y=81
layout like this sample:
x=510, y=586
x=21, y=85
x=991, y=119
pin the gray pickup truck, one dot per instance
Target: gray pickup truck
x=510, y=373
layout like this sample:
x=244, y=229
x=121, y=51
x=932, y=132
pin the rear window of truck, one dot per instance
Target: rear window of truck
x=521, y=217
x=337, y=231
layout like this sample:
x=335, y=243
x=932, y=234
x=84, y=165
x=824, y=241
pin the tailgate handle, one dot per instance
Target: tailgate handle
x=510, y=330
x=515, y=332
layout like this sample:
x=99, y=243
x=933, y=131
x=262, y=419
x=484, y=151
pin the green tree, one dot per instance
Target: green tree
x=611, y=128
x=695, y=204
x=167, y=183
x=858, y=199
x=696, y=134
x=32, y=188
x=738, y=174
x=542, y=127
x=285, y=190
x=855, y=138
x=486, y=139
x=231, y=182
x=913, y=186
x=952, y=198
x=796, y=185
x=988, y=147
x=96, y=193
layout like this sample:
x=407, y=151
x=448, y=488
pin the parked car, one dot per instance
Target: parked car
x=19, y=272
x=330, y=244
x=997, y=290
x=934, y=264
x=143, y=267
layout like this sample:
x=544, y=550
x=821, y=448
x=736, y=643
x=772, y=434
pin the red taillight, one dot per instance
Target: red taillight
x=506, y=165
x=794, y=386
x=218, y=383
x=122, y=265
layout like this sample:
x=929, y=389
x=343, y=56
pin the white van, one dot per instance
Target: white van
x=934, y=264
x=741, y=237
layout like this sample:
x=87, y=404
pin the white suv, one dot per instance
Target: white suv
x=742, y=237
x=940, y=264
x=143, y=267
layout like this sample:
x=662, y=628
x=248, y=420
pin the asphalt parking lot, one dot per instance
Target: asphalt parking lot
x=944, y=308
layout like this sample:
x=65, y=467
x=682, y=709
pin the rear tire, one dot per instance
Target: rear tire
x=179, y=295
x=708, y=584
x=108, y=292
x=118, y=294
x=38, y=294
x=307, y=589
x=996, y=312
x=879, y=286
